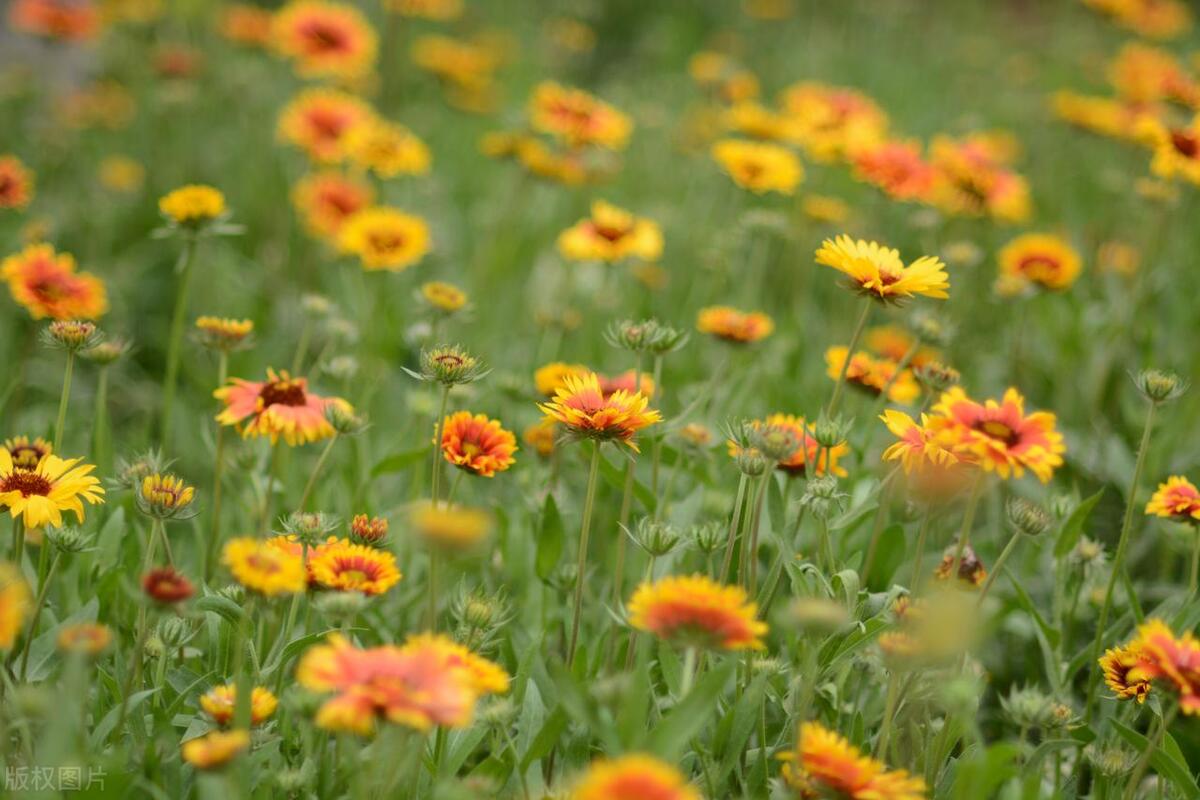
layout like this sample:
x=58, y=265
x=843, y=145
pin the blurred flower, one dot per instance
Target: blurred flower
x=1176, y=499
x=759, y=166
x=1028, y=517
x=15, y=603
x=917, y=446
x=540, y=436
x=1159, y=386
x=428, y=681
x=628, y=382
x=440, y=10
x=105, y=353
x=246, y=24
x=1037, y=259
x=26, y=453
x=384, y=238
x=877, y=271
x=872, y=374
x=1119, y=257
x=165, y=496
x=632, y=777
x=445, y=298
x=68, y=20
x=40, y=495
x=477, y=444
x=327, y=199
x=998, y=436
x=732, y=325
x=549, y=378
x=577, y=118
x=450, y=526
x=467, y=65
x=386, y=148
x=895, y=167
x=895, y=343
x=216, y=749
x=802, y=451
x=697, y=612
x=220, y=701
x=279, y=406
x=823, y=208
x=317, y=121
x=71, y=334
x=167, y=585
x=46, y=284
x=831, y=121
x=223, y=333
x=970, y=569
x=1145, y=74
x=611, y=234
x=1158, y=19
x=16, y=183
x=192, y=206
x=582, y=408
x=263, y=567
x=1155, y=654
x=973, y=180
x=85, y=638
x=823, y=762
x=1176, y=149
x=325, y=39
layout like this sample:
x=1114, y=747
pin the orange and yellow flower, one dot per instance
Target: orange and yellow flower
x=216, y=749
x=25, y=452
x=384, y=238
x=628, y=381
x=999, y=436
x=877, y=271
x=67, y=20
x=279, y=406
x=972, y=180
x=449, y=526
x=917, y=446
x=1037, y=259
x=611, y=234
x=349, y=567
x=581, y=406
x=41, y=494
x=1145, y=74
x=1127, y=672
x=895, y=167
x=46, y=284
x=317, y=120
x=325, y=39
x=1176, y=149
x=632, y=777
x=16, y=183
x=1106, y=116
x=1156, y=654
x=732, y=325
x=440, y=10
x=1176, y=499
x=327, y=199
x=1157, y=19
x=872, y=375
x=541, y=436
x=549, y=378
x=577, y=117
x=386, y=148
x=698, y=612
x=445, y=298
x=824, y=762
x=264, y=567
x=223, y=333
x=831, y=121
x=246, y=24
x=895, y=343
x=85, y=639
x=221, y=701
x=479, y=445
x=759, y=167
x=15, y=603
x=429, y=681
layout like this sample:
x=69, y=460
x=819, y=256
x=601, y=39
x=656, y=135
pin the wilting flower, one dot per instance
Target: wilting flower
x=327, y=199
x=351, y=567
x=221, y=701
x=68, y=20
x=46, y=284
x=732, y=325
x=872, y=374
x=1037, y=259
x=825, y=762
x=1156, y=655
x=549, y=378
x=611, y=234
x=386, y=148
x=264, y=568
x=697, y=611
x=580, y=405
x=917, y=447
x=477, y=444
x=878, y=272
x=384, y=238
x=26, y=453
x=223, y=333
x=167, y=585
x=16, y=183
x=40, y=495
x=192, y=206
x=325, y=39
x=895, y=167
x=445, y=298
x=450, y=526
x=85, y=639
x=632, y=777
x=970, y=569
x=317, y=121
x=759, y=166
x=999, y=436
x=15, y=602
x=216, y=749
x=577, y=117
x=427, y=681
x=279, y=406
x=368, y=530
x=1176, y=499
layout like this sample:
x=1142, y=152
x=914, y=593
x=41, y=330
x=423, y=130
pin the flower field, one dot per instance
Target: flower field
x=599, y=400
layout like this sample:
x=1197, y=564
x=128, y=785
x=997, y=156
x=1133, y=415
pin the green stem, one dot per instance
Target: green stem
x=755, y=523
x=175, y=342
x=435, y=480
x=37, y=613
x=831, y=409
x=243, y=685
x=434, y=569
x=1119, y=561
x=922, y=533
x=991, y=578
x=1155, y=741
x=218, y=468
x=264, y=520
x=312, y=479
x=734, y=521
x=889, y=711
x=101, y=438
x=885, y=498
x=302, y=347
x=585, y=531
x=1195, y=572
x=63, y=400
x=964, y=533
x=689, y=672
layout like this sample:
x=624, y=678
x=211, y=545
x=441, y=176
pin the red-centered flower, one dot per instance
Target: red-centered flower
x=317, y=121
x=1176, y=499
x=69, y=20
x=633, y=777
x=47, y=285
x=825, y=763
x=477, y=444
x=325, y=39
x=580, y=405
x=167, y=585
x=697, y=611
x=351, y=567
x=16, y=183
x=895, y=167
x=328, y=199
x=999, y=436
x=279, y=406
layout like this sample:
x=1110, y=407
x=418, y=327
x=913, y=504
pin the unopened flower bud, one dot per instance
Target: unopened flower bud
x=1027, y=517
x=368, y=530
x=935, y=376
x=1159, y=386
x=72, y=335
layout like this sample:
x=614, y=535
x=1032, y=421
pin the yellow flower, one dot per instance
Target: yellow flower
x=633, y=777
x=216, y=749
x=877, y=271
x=549, y=378
x=192, y=205
x=165, y=495
x=263, y=568
x=1037, y=259
x=697, y=611
x=1176, y=499
x=121, y=174
x=386, y=148
x=454, y=527
x=732, y=325
x=445, y=297
x=222, y=333
x=385, y=238
x=1176, y=150
x=872, y=374
x=825, y=209
x=611, y=234
x=581, y=406
x=759, y=166
x=41, y=494
x=577, y=117
x=221, y=701
x=823, y=762
x=917, y=446
x=351, y=567
x=26, y=453
x=86, y=638
x=15, y=602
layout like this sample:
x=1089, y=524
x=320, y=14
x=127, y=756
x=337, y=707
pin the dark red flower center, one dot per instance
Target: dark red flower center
x=1187, y=144
x=994, y=429
x=27, y=483
x=283, y=393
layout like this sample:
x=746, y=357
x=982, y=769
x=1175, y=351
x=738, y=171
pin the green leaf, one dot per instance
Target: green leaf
x=745, y=715
x=614, y=475
x=889, y=555
x=550, y=538
x=398, y=462
x=671, y=736
x=1163, y=760
x=101, y=731
x=221, y=606
x=1026, y=602
x=1068, y=535
x=546, y=738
